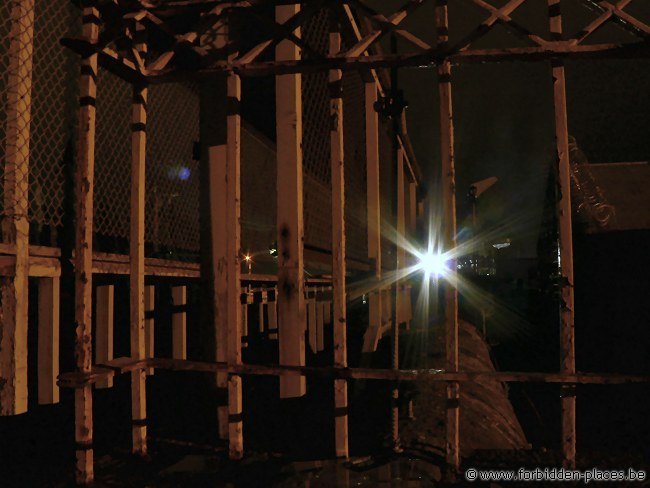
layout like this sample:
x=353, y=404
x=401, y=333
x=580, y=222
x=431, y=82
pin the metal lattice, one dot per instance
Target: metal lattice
x=172, y=207
x=53, y=110
x=5, y=41
x=387, y=184
x=112, y=160
x=355, y=166
x=16, y=47
x=258, y=202
x=316, y=141
x=316, y=150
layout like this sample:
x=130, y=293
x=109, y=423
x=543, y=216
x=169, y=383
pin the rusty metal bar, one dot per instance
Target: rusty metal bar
x=15, y=225
x=233, y=263
x=136, y=255
x=567, y=305
x=339, y=323
x=291, y=297
x=125, y=365
x=448, y=178
x=84, y=187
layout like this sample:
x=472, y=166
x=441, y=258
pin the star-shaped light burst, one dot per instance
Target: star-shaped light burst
x=432, y=264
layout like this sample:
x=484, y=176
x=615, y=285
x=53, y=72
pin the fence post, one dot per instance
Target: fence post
x=217, y=192
x=375, y=321
x=104, y=322
x=15, y=225
x=291, y=288
x=136, y=252
x=48, y=339
x=273, y=314
x=452, y=445
x=233, y=263
x=311, y=320
x=179, y=322
x=149, y=323
x=84, y=188
x=567, y=331
x=337, y=155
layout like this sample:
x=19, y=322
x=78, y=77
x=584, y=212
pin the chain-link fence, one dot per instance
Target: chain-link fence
x=46, y=145
x=172, y=196
x=112, y=163
x=54, y=95
x=316, y=149
x=16, y=48
x=317, y=182
x=172, y=183
x=172, y=173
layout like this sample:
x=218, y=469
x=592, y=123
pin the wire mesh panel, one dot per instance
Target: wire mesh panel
x=5, y=40
x=355, y=166
x=112, y=163
x=316, y=150
x=258, y=202
x=52, y=97
x=16, y=47
x=316, y=140
x=172, y=206
x=53, y=110
x=172, y=198
x=387, y=189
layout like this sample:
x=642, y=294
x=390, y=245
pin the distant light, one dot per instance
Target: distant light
x=247, y=257
x=184, y=173
x=433, y=264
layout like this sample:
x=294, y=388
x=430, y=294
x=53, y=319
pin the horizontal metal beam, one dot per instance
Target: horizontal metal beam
x=125, y=365
x=563, y=49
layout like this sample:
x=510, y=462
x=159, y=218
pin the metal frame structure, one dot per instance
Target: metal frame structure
x=125, y=37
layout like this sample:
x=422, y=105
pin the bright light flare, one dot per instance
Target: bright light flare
x=433, y=264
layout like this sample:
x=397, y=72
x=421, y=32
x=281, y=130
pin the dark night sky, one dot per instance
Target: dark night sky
x=504, y=116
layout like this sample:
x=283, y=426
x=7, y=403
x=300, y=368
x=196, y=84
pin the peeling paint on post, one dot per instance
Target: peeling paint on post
x=337, y=161
x=567, y=332
x=136, y=253
x=452, y=444
x=15, y=226
x=84, y=179
x=291, y=299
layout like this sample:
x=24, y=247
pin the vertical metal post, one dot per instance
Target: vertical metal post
x=84, y=186
x=412, y=206
x=375, y=321
x=401, y=233
x=48, y=339
x=291, y=293
x=399, y=170
x=179, y=322
x=15, y=226
x=136, y=252
x=217, y=184
x=452, y=444
x=337, y=160
x=233, y=246
x=149, y=324
x=217, y=191
x=396, y=299
x=104, y=322
x=567, y=332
